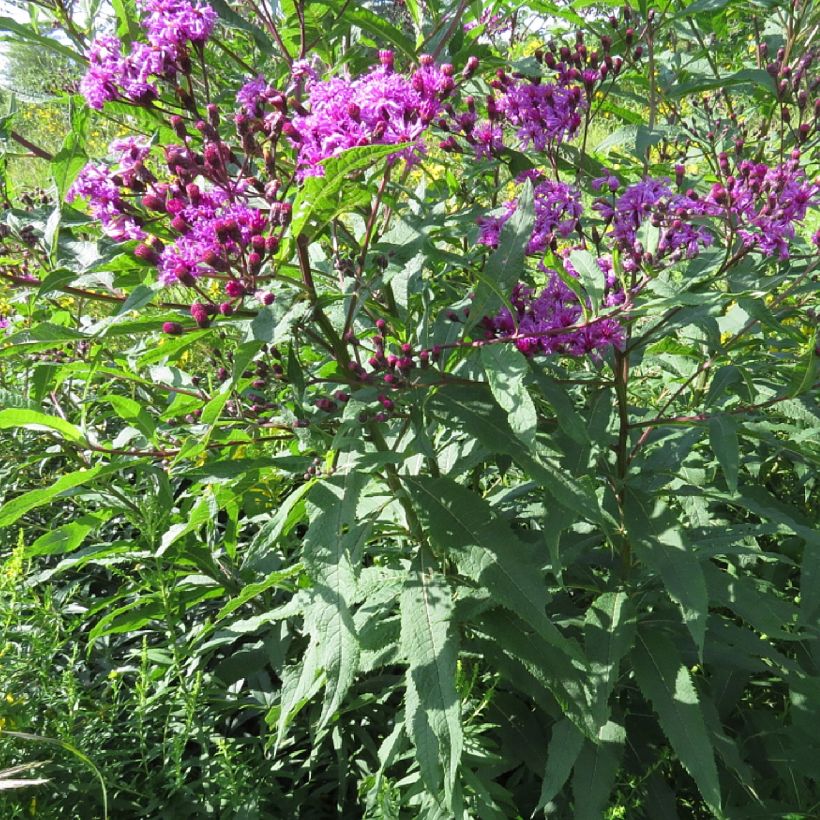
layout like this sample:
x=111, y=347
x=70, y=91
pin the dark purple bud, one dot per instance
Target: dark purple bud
x=234, y=289
x=153, y=203
x=199, y=314
x=172, y=328
x=146, y=253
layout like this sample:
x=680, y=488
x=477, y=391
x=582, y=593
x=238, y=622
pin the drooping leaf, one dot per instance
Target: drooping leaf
x=503, y=268
x=609, y=632
x=16, y=507
x=36, y=420
x=658, y=541
x=667, y=684
x=463, y=526
x=328, y=552
x=564, y=747
x=595, y=771
x=432, y=709
x=723, y=437
x=590, y=276
x=506, y=370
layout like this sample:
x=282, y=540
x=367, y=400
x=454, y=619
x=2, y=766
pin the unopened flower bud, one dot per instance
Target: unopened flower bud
x=234, y=289
x=199, y=314
x=146, y=253
x=172, y=328
x=470, y=67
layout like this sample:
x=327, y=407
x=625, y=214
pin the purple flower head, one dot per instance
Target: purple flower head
x=303, y=70
x=547, y=322
x=652, y=201
x=380, y=107
x=609, y=182
x=766, y=204
x=544, y=114
x=99, y=184
x=252, y=94
x=217, y=233
x=172, y=24
x=488, y=139
x=112, y=75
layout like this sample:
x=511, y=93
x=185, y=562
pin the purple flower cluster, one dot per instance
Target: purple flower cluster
x=169, y=26
x=652, y=201
x=380, y=107
x=543, y=113
x=557, y=209
x=216, y=236
x=546, y=322
x=102, y=186
x=765, y=203
x=112, y=74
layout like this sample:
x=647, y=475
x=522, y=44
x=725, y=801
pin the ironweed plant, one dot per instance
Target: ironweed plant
x=414, y=413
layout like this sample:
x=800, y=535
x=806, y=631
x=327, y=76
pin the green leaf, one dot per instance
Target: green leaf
x=328, y=550
x=504, y=267
x=12, y=510
x=238, y=21
x=656, y=536
x=432, y=708
x=666, y=683
x=463, y=526
x=568, y=418
x=376, y=25
x=723, y=438
x=133, y=412
x=506, y=369
x=564, y=747
x=590, y=276
x=595, y=771
x=68, y=162
x=276, y=579
x=28, y=33
x=65, y=538
x=609, y=633
x=480, y=417
x=810, y=583
x=318, y=196
x=35, y=420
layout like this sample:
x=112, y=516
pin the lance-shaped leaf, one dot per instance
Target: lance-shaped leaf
x=12, y=510
x=328, y=550
x=590, y=276
x=432, y=708
x=723, y=438
x=318, y=197
x=463, y=526
x=506, y=368
x=595, y=772
x=563, y=750
x=506, y=263
x=36, y=420
x=666, y=683
x=479, y=416
x=657, y=539
x=300, y=683
x=609, y=632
